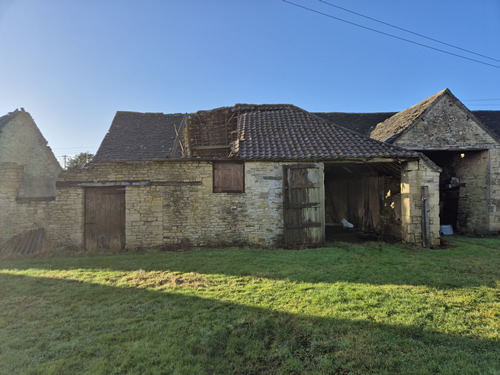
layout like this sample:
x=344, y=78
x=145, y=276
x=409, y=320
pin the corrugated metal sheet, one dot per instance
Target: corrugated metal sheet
x=26, y=243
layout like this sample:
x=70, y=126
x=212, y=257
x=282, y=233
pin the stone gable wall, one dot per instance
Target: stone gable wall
x=22, y=143
x=28, y=173
x=446, y=126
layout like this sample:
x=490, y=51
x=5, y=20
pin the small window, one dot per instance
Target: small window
x=229, y=177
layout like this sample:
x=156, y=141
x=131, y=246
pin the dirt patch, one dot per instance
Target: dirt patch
x=155, y=279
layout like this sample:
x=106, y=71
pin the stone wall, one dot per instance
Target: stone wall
x=414, y=175
x=450, y=126
x=172, y=201
x=16, y=216
x=28, y=171
x=21, y=142
x=472, y=169
x=168, y=201
x=446, y=126
x=493, y=193
x=65, y=227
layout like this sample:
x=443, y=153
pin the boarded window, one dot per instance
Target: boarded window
x=229, y=177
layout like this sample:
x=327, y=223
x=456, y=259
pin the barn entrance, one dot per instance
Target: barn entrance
x=460, y=194
x=365, y=195
x=104, y=218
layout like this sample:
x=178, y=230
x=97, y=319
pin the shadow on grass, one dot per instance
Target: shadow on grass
x=370, y=263
x=60, y=326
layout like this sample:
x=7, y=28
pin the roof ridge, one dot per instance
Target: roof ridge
x=248, y=107
x=356, y=113
x=149, y=113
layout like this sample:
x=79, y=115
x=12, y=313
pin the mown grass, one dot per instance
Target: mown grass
x=350, y=309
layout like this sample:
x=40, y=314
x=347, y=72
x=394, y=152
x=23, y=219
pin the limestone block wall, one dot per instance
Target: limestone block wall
x=446, y=126
x=494, y=190
x=21, y=142
x=11, y=176
x=28, y=173
x=449, y=126
x=144, y=216
x=414, y=175
x=472, y=168
x=65, y=226
x=167, y=201
x=16, y=216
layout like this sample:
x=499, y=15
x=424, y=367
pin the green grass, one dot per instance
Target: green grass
x=352, y=309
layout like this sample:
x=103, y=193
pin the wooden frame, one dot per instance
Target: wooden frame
x=228, y=177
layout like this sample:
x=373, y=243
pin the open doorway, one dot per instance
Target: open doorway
x=366, y=195
x=462, y=188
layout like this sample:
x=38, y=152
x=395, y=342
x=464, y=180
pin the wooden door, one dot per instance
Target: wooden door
x=304, y=205
x=105, y=218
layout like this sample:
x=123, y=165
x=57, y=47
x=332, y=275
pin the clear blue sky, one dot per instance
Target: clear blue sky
x=72, y=63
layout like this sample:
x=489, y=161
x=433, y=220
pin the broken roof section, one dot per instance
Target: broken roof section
x=244, y=131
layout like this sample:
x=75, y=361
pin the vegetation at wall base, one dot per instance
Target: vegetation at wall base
x=371, y=308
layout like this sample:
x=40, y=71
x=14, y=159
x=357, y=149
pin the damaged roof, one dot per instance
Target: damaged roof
x=263, y=132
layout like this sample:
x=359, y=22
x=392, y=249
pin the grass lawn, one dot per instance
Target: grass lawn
x=370, y=308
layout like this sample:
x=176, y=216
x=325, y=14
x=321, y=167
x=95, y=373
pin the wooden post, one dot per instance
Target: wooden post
x=426, y=223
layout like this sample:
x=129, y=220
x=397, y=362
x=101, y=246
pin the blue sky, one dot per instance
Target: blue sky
x=73, y=64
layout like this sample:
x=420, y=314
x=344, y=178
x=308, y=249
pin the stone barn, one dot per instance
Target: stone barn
x=28, y=171
x=260, y=175
x=465, y=144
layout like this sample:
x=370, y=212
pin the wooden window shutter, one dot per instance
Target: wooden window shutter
x=228, y=177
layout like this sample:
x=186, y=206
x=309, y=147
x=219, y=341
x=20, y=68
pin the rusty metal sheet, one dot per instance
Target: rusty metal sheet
x=27, y=243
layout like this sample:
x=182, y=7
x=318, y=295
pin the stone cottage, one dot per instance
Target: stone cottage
x=465, y=144
x=265, y=175
x=28, y=171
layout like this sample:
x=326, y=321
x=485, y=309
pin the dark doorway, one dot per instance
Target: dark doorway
x=460, y=169
x=366, y=195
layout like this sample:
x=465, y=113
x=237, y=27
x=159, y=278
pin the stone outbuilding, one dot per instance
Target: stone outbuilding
x=265, y=175
x=28, y=171
x=464, y=143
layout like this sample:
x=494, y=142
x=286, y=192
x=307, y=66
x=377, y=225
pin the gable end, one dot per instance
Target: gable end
x=447, y=125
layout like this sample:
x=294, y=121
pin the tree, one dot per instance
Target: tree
x=77, y=160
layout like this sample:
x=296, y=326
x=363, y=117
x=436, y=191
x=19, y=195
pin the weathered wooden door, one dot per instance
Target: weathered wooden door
x=105, y=217
x=304, y=205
